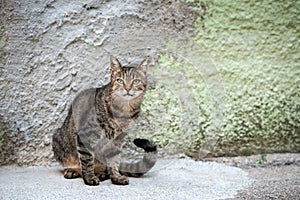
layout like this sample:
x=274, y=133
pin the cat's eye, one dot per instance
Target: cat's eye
x=120, y=81
x=136, y=81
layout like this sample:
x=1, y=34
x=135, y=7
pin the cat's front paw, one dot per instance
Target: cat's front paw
x=102, y=176
x=71, y=173
x=119, y=180
x=91, y=180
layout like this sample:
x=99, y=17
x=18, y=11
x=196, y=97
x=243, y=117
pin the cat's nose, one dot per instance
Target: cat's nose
x=127, y=88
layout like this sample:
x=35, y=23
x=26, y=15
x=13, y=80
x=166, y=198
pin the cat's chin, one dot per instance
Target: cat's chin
x=126, y=97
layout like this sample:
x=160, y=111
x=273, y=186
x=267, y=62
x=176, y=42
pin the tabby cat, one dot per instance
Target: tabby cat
x=90, y=140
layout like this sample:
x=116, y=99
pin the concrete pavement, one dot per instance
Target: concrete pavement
x=169, y=179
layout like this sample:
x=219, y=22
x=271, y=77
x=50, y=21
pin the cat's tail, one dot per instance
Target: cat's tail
x=144, y=165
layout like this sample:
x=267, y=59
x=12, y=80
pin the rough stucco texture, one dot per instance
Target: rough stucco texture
x=255, y=45
x=235, y=90
x=50, y=50
x=232, y=89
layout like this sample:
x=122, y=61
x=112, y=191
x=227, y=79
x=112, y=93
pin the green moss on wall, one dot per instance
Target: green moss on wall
x=255, y=48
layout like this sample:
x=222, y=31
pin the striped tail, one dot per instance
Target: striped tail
x=141, y=167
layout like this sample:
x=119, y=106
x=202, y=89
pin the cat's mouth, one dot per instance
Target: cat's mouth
x=128, y=94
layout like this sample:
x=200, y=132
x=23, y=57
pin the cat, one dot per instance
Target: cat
x=90, y=140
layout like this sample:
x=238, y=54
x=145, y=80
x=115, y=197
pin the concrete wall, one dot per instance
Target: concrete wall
x=224, y=78
x=50, y=50
x=240, y=79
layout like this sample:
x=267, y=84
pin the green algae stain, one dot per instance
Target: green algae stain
x=254, y=47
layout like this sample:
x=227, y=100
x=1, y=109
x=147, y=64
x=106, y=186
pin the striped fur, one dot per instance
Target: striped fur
x=90, y=141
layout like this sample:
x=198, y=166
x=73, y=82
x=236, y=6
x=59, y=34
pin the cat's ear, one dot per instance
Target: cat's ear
x=144, y=65
x=115, y=66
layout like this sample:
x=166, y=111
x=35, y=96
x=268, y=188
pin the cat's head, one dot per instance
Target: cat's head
x=128, y=83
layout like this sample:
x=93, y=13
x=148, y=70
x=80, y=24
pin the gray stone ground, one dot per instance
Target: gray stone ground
x=273, y=183
x=276, y=178
x=169, y=179
x=175, y=178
